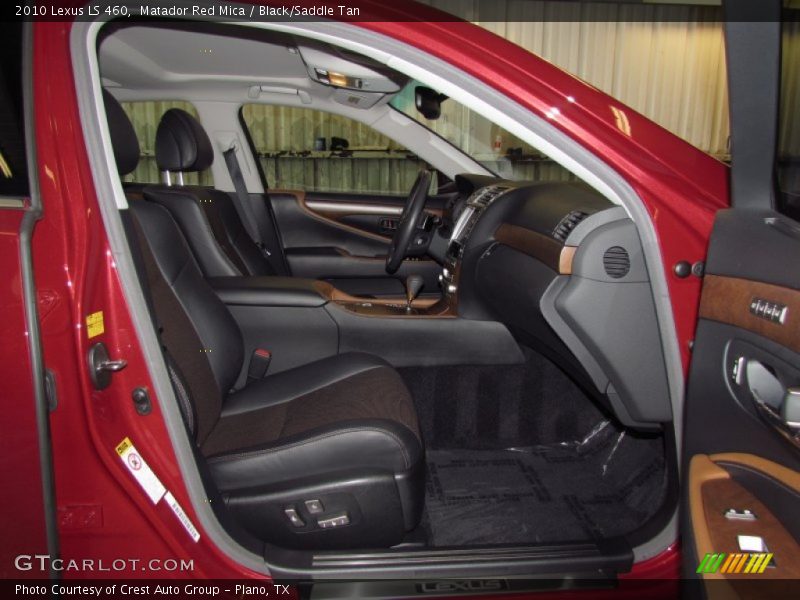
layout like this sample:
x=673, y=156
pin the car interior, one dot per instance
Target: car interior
x=475, y=366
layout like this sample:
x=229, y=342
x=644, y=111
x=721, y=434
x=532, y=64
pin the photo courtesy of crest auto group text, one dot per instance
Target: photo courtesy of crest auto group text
x=323, y=299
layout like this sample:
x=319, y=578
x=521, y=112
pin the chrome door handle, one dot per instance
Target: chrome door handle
x=790, y=409
x=776, y=405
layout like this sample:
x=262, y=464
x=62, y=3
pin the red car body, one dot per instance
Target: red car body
x=101, y=511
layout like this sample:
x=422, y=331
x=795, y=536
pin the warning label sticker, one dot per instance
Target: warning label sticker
x=94, y=324
x=140, y=470
x=182, y=516
x=152, y=486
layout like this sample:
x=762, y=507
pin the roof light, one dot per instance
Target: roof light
x=337, y=79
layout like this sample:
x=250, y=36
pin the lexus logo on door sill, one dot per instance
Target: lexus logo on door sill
x=462, y=586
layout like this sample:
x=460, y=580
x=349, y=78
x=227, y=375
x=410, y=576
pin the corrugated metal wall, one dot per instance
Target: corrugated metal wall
x=285, y=137
x=667, y=62
x=789, y=125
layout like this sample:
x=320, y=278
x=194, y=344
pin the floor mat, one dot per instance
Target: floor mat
x=605, y=485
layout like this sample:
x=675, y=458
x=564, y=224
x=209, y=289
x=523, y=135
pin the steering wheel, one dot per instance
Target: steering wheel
x=407, y=226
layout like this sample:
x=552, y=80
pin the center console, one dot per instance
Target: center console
x=301, y=320
x=474, y=207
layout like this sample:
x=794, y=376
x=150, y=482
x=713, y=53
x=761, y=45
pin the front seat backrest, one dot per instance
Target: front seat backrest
x=206, y=343
x=204, y=340
x=208, y=218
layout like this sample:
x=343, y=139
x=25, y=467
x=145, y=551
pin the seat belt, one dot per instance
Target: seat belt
x=254, y=216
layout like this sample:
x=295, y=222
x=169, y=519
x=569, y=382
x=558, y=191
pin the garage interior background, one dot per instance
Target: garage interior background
x=665, y=60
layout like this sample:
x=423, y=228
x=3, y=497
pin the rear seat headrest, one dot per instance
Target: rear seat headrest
x=181, y=143
x=123, y=135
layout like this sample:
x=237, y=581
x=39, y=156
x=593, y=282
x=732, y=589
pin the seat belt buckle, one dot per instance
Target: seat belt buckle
x=259, y=363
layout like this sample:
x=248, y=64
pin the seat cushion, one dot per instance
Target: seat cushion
x=349, y=411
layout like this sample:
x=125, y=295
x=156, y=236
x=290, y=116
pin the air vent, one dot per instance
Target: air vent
x=487, y=195
x=616, y=261
x=567, y=224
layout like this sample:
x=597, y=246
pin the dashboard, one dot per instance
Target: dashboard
x=563, y=269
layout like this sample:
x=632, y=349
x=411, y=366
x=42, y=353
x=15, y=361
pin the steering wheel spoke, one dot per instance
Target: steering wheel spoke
x=405, y=241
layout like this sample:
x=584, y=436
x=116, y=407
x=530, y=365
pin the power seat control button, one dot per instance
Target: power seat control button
x=337, y=521
x=294, y=518
x=314, y=507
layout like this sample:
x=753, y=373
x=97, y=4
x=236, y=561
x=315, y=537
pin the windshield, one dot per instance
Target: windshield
x=492, y=146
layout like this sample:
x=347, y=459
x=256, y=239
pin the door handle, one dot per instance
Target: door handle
x=776, y=404
x=790, y=410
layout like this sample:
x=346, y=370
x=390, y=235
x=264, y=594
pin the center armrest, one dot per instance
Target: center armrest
x=269, y=291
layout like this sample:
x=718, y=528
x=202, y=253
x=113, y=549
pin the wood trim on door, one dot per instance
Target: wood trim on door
x=727, y=300
x=712, y=491
x=300, y=198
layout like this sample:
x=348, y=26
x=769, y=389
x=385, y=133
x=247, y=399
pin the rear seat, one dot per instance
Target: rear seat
x=208, y=217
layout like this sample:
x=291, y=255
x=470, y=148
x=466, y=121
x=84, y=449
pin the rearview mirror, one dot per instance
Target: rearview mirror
x=428, y=102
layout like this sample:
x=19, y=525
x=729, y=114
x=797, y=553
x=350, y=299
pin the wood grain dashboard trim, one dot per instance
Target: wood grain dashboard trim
x=537, y=245
x=727, y=300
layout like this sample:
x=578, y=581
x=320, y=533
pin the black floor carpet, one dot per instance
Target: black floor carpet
x=606, y=486
x=521, y=455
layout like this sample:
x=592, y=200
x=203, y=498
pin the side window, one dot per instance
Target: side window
x=13, y=167
x=145, y=117
x=316, y=151
x=788, y=156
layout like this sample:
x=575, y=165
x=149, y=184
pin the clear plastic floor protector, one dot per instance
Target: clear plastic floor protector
x=604, y=485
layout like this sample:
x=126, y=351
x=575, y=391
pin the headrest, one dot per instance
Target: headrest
x=181, y=143
x=123, y=136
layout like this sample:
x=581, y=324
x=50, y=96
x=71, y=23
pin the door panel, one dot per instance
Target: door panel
x=344, y=239
x=716, y=487
x=745, y=361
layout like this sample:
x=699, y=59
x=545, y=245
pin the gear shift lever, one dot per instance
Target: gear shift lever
x=414, y=284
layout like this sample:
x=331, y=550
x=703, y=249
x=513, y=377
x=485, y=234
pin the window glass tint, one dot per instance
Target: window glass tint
x=145, y=117
x=788, y=159
x=13, y=168
x=312, y=150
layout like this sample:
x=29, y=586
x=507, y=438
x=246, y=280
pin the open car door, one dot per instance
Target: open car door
x=741, y=467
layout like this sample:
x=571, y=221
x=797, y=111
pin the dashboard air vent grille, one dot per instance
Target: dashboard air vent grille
x=488, y=194
x=567, y=224
x=616, y=261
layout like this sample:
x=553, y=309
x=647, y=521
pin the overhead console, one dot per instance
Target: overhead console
x=336, y=67
x=563, y=268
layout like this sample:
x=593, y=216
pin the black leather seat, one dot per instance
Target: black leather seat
x=327, y=455
x=208, y=217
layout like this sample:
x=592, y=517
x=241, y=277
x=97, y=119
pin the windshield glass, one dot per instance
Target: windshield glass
x=492, y=146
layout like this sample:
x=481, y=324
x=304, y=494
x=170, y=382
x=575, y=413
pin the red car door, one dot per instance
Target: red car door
x=28, y=509
x=741, y=517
